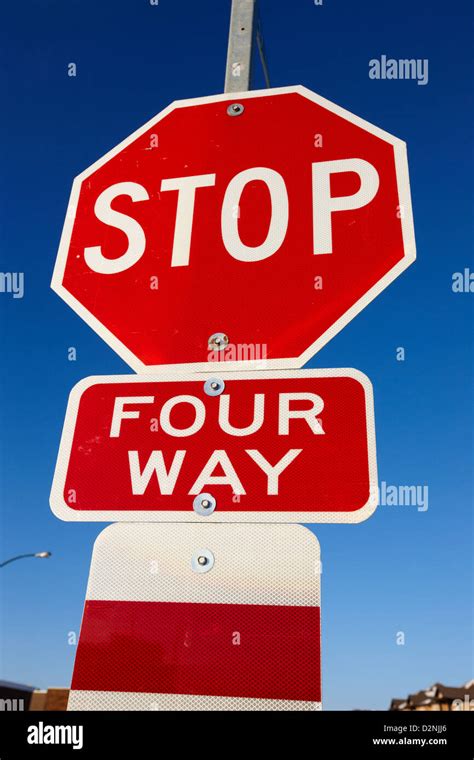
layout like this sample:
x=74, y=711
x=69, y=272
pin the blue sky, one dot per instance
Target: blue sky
x=402, y=570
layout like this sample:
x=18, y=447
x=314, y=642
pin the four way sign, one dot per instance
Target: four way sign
x=201, y=617
x=238, y=230
x=262, y=446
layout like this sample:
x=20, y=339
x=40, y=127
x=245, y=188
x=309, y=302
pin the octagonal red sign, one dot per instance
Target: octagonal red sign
x=246, y=228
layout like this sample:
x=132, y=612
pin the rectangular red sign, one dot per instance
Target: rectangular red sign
x=254, y=446
x=176, y=647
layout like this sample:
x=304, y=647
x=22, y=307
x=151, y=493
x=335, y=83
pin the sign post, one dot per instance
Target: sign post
x=239, y=53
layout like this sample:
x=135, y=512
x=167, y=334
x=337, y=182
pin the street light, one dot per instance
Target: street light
x=39, y=555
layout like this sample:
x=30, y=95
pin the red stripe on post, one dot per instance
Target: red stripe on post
x=233, y=650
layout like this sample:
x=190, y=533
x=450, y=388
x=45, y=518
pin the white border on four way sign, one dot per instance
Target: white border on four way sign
x=64, y=512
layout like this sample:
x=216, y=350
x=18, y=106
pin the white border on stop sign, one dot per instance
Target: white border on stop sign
x=64, y=512
x=403, y=184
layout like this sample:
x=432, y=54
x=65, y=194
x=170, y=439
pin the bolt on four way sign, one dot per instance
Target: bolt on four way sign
x=264, y=446
x=243, y=228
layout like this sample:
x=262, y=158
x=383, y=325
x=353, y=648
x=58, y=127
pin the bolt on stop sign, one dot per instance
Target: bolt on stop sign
x=243, y=228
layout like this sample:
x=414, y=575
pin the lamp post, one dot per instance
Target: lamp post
x=39, y=555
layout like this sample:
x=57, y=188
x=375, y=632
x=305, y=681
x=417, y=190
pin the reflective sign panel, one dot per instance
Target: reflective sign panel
x=201, y=617
x=273, y=227
x=268, y=446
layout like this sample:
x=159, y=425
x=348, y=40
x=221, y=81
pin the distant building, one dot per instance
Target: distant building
x=19, y=697
x=395, y=704
x=54, y=698
x=438, y=697
x=15, y=697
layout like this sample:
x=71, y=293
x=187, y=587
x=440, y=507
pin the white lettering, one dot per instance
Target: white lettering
x=310, y=415
x=256, y=424
x=186, y=187
x=200, y=415
x=136, y=237
x=156, y=463
x=324, y=204
x=119, y=414
x=230, y=477
x=273, y=471
x=278, y=220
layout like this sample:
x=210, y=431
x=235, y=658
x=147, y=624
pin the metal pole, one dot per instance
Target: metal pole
x=239, y=52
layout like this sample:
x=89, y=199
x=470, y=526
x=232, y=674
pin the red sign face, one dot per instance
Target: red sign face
x=270, y=223
x=201, y=617
x=254, y=447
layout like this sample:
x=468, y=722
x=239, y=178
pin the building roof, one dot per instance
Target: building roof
x=420, y=698
x=16, y=686
x=454, y=692
x=435, y=694
x=396, y=704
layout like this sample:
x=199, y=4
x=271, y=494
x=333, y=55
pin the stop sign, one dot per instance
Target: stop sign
x=248, y=229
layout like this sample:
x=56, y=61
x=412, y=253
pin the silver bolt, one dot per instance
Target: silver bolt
x=235, y=109
x=202, y=561
x=214, y=386
x=218, y=341
x=204, y=504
